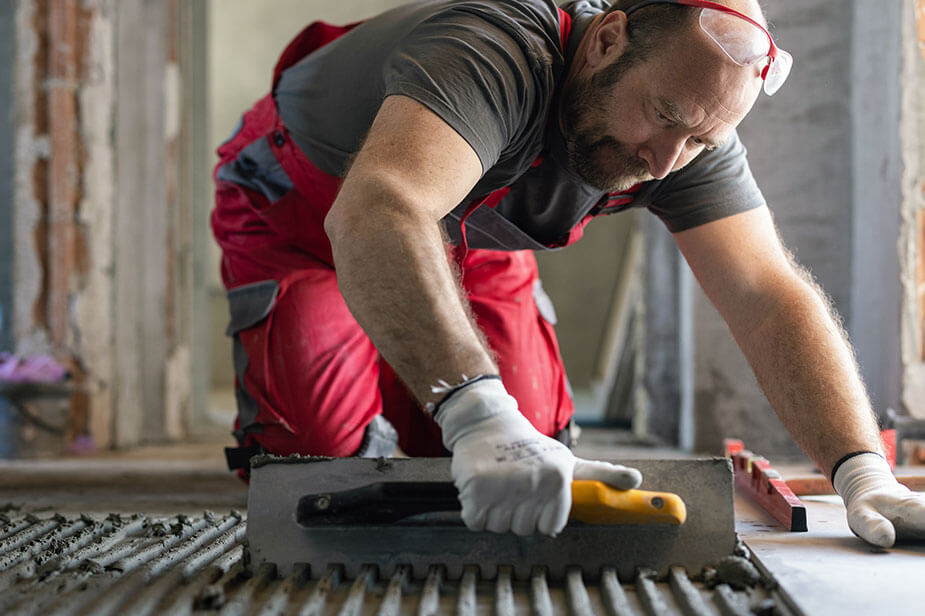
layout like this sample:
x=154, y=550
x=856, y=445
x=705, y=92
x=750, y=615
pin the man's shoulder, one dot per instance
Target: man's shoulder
x=524, y=13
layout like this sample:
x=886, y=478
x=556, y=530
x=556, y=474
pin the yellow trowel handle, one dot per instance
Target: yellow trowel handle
x=595, y=502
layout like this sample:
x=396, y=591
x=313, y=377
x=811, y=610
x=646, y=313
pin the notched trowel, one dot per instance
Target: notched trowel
x=593, y=502
x=353, y=512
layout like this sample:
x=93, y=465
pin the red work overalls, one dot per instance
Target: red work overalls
x=308, y=379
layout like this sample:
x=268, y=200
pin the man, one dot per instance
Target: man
x=504, y=126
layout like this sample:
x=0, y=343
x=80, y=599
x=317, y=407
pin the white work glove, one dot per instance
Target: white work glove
x=880, y=509
x=509, y=475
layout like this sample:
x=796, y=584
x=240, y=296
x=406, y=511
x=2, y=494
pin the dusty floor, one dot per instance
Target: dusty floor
x=188, y=477
x=175, y=558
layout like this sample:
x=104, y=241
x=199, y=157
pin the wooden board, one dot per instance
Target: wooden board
x=804, y=481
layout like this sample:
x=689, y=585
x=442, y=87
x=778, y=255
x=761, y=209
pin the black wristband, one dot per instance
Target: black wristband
x=462, y=385
x=847, y=457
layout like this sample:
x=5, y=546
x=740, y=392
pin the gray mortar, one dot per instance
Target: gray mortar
x=195, y=573
x=267, y=458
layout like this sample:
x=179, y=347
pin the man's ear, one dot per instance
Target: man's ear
x=608, y=40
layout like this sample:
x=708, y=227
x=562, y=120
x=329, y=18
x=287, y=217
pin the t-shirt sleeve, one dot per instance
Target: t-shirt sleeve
x=473, y=74
x=715, y=185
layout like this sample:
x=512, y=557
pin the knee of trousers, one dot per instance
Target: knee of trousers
x=300, y=390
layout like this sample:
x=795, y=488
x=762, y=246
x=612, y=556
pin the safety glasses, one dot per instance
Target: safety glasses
x=744, y=46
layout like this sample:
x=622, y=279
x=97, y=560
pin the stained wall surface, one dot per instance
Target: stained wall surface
x=6, y=205
x=825, y=151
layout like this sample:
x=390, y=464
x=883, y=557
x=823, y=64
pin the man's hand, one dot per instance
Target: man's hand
x=509, y=475
x=880, y=509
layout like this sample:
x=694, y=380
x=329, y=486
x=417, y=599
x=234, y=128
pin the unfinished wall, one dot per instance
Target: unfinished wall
x=7, y=137
x=7, y=140
x=912, y=241
x=100, y=246
x=825, y=151
x=52, y=242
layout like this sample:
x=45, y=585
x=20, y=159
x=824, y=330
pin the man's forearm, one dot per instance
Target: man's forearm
x=807, y=370
x=393, y=272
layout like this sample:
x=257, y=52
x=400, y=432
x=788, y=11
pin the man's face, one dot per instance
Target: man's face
x=633, y=121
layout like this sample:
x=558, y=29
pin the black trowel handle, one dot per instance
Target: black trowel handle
x=383, y=502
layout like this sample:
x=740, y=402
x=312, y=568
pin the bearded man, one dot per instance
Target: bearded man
x=378, y=210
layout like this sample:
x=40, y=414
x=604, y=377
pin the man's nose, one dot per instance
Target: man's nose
x=661, y=156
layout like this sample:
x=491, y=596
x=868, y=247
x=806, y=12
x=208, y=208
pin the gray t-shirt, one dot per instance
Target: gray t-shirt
x=489, y=68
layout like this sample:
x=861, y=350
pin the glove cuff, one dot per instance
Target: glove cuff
x=844, y=459
x=859, y=469
x=442, y=387
x=471, y=403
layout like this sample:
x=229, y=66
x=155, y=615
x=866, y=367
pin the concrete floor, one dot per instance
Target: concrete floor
x=189, y=477
x=829, y=571
x=162, y=480
x=825, y=571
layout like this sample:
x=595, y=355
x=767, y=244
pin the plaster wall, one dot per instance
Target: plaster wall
x=912, y=239
x=7, y=137
x=246, y=38
x=29, y=149
x=93, y=308
x=98, y=259
x=7, y=38
x=825, y=151
x=878, y=161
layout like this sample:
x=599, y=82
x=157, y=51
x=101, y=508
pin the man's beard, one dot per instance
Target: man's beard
x=599, y=159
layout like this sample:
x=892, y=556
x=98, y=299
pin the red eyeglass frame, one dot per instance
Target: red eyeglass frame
x=706, y=4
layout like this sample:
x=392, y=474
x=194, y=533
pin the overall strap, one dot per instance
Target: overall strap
x=565, y=28
x=494, y=198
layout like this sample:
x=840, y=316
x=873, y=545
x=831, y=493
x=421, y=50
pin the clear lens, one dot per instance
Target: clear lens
x=743, y=42
x=778, y=72
x=746, y=44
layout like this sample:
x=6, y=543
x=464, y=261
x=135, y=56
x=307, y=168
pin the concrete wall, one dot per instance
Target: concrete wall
x=7, y=12
x=826, y=152
x=246, y=38
x=912, y=239
x=101, y=248
x=7, y=139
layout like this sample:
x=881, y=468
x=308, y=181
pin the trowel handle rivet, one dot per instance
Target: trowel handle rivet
x=658, y=502
x=322, y=502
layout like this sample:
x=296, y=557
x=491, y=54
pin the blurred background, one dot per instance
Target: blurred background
x=110, y=112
